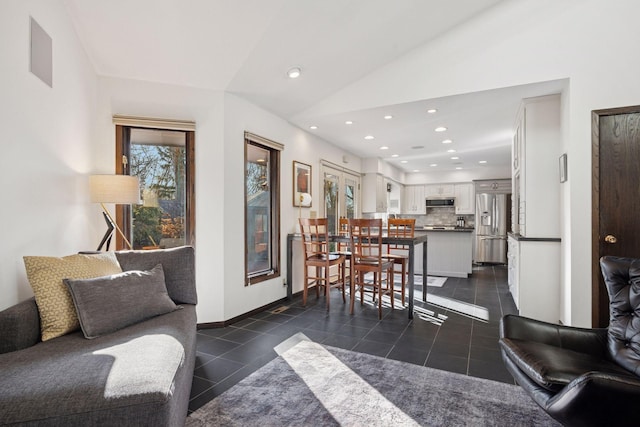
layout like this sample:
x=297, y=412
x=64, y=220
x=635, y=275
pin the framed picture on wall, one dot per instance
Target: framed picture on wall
x=301, y=185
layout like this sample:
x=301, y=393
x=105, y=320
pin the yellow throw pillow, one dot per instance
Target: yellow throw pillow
x=57, y=313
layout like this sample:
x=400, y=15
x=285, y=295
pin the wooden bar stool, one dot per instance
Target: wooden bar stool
x=366, y=257
x=398, y=253
x=315, y=240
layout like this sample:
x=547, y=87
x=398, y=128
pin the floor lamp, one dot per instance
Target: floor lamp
x=117, y=189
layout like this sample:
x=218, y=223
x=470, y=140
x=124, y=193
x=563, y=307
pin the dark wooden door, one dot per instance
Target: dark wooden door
x=616, y=195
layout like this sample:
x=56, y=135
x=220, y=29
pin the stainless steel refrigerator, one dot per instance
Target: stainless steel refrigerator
x=491, y=228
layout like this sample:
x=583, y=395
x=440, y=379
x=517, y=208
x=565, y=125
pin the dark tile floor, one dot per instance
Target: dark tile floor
x=461, y=344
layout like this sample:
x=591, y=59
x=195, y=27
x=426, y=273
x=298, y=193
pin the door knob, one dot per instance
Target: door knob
x=610, y=239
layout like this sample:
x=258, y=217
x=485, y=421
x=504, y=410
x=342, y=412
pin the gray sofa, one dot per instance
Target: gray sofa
x=137, y=376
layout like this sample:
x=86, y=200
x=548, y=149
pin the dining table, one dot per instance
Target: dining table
x=419, y=238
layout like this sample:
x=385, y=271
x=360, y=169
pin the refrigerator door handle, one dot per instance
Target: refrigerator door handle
x=495, y=215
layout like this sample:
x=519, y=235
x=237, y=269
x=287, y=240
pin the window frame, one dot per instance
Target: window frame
x=274, y=149
x=123, y=142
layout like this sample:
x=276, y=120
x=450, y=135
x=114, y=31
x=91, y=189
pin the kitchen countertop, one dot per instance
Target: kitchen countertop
x=521, y=238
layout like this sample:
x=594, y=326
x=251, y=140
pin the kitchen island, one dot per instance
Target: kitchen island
x=449, y=252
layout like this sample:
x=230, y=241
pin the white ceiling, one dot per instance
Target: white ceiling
x=246, y=47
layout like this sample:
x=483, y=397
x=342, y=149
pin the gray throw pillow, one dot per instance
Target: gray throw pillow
x=177, y=263
x=109, y=303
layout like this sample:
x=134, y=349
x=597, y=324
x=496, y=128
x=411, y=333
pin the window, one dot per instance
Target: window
x=163, y=160
x=262, y=209
x=340, y=194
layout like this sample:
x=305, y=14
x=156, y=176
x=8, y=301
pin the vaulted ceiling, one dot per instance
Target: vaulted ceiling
x=246, y=47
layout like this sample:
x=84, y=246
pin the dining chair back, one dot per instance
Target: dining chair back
x=367, y=260
x=397, y=252
x=318, y=258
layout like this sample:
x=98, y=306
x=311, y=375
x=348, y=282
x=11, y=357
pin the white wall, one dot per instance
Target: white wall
x=221, y=120
x=520, y=42
x=302, y=146
x=206, y=108
x=48, y=138
x=55, y=137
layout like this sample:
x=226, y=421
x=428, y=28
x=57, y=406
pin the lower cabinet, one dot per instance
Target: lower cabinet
x=534, y=277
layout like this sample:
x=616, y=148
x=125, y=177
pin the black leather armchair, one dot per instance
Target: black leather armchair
x=583, y=377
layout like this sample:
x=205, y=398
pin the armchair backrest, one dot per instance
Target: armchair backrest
x=622, y=279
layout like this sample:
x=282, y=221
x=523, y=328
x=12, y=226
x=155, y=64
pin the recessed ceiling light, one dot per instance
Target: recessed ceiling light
x=369, y=137
x=458, y=168
x=394, y=155
x=294, y=72
x=416, y=170
x=451, y=151
x=384, y=148
x=431, y=110
x=482, y=162
x=404, y=161
x=348, y=122
x=314, y=127
x=433, y=164
x=447, y=141
x=388, y=117
x=440, y=129
x=455, y=158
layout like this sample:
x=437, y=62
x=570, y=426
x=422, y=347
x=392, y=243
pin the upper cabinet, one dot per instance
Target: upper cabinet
x=439, y=190
x=535, y=153
x=414, y=200
x=395, y=197
x=374, y=193
x=465, y=198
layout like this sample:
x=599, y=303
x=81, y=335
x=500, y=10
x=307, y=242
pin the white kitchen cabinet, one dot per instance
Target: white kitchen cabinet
x=536, y=149
x=439, y=190
x=374, y=193
x=536, y=210
x=395, y=197
x=465, y=198
x=414, y=200
x=535, y=290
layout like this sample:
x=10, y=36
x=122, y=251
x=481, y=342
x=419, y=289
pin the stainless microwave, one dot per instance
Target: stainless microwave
x=440, y=203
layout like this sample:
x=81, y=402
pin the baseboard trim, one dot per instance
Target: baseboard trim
x=224, y=323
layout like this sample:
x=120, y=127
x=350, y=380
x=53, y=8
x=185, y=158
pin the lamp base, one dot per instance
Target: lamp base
x=107, y=235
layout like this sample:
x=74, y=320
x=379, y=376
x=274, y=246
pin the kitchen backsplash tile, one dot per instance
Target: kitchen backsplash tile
x=434, y=216
x=441, y=216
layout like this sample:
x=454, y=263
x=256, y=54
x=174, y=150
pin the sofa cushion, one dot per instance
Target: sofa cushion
x=554, y=367
x=45, y=274
x=178, y=265
x=107, y=304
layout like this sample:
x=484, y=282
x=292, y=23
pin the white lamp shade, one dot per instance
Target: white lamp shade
x=118, y=189
x=305, y=199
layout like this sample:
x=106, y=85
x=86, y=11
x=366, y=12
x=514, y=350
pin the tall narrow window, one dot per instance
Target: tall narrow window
x=262, y=209
x=163, y=161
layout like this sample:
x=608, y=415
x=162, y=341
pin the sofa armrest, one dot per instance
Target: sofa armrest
x=597, y=398
x=589, y=341
x=19, y=326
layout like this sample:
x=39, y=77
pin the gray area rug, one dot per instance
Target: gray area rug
x=310, y=384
